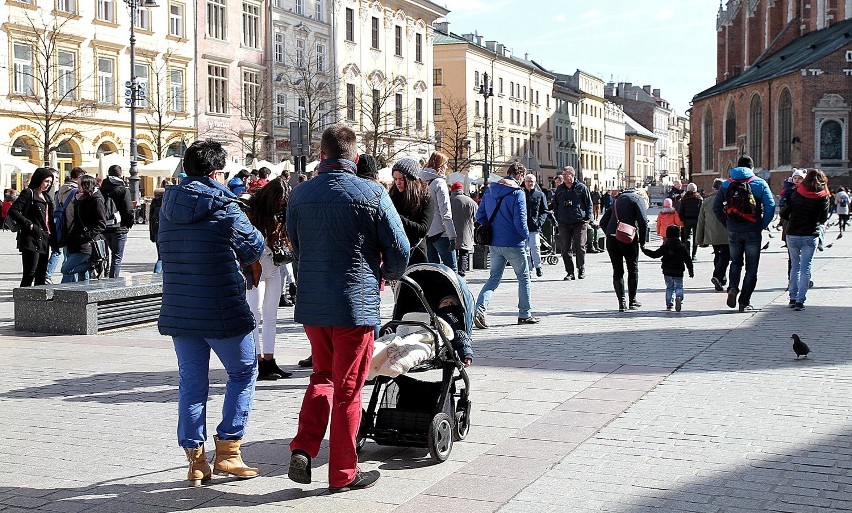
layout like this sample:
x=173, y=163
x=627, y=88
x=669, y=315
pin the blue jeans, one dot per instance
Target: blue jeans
x=53, y=261
x=517, y=256
x=745, y=245
x=801, y=250
x=115, y=242
x=76, y=267
x=674, y=288
x=193, y=354
x=440, y=251
x=534, y=250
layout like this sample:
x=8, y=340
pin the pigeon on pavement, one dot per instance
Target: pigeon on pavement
x=799, y=347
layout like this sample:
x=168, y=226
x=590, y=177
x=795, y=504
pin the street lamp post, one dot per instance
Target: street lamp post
x=133, y=93
x=486, y=91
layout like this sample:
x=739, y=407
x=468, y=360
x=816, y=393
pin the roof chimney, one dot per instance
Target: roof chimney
x=656, y=93
x=526, y=56
x=491, y=45
x=442, y=26
x=469, y=37
x=646, y=88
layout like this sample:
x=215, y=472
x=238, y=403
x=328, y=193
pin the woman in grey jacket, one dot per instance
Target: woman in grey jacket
x=441, y=236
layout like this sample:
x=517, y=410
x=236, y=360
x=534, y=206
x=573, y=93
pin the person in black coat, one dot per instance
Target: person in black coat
x=688, y=210
x=154, y=225
x=675, y=258
x=33, y=211
x=572, y=207
x=116, y=231
x=627, y=208
x=89, y=222
x=536, y=216
x=411, y=199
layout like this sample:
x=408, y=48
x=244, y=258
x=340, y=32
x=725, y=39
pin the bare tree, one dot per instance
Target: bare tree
x=164, y=101
x=46, y=81
x=254, y=107
x=309, y=90
x=452, y=123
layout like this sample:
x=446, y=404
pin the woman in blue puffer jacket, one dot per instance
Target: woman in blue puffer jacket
x=204, y=239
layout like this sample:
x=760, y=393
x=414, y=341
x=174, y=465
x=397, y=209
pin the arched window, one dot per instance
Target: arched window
x=831, y=141
x=755, y=130
x=785, y=128
x=707, y=135
x=22, y=148
x=731, y=126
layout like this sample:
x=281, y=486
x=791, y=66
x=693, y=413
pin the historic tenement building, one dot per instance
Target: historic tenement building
x=784, y=91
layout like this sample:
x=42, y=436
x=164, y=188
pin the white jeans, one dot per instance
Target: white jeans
x=533, y=251
x=266, y=294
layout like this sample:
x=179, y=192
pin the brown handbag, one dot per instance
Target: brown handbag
x=624, y=232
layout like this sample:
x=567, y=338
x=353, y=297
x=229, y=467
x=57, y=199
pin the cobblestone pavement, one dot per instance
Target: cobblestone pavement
x=705, y=410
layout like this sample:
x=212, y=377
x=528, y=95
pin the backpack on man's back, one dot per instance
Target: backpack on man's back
x=740, y=203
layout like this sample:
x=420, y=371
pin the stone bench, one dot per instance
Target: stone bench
x=85, y=308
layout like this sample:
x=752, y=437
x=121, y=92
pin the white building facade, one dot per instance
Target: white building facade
x=613, y=173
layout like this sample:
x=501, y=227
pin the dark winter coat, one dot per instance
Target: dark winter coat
x=572, y=205
x=536, y=209
x=804, y=211
x=113, y=187
x=675, y=257
x=415, y=225
x=631, y=210
x=346, y=236
x=464, y=214
x=34, y=215
x=89, y=222
x=690, y=208
x=154, y=216
x=204, y=239
x=509, y=228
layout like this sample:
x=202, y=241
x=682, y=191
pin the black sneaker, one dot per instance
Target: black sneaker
x=479, y=320
x=265, y=371
x=678, y=303
x=799, y=307
x=300, y=467
x=307, y=362
x=528, y=320
x=732, y=297
x=362, y=480
x=538, y=272
x=792, y=303
x=716, y=283
x=635, y=304
x=746, y=308
x=568, y=277
x=582, y=273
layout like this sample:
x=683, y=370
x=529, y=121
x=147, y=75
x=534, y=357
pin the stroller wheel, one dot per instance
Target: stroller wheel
x=462, y=427
x=552, y=260
x=440, y=438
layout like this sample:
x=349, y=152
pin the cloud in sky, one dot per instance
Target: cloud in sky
x=560, y=18
x=665, y=14
x=590, y=14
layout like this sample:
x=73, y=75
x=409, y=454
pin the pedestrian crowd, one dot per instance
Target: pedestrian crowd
x=231, y=253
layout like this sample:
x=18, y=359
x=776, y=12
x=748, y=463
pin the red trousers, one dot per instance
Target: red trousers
x=341, y=358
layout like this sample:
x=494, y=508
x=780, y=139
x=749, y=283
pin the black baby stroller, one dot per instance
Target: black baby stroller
x=408, y=412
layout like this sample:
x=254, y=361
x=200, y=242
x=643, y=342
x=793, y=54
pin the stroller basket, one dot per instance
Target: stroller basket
x=408, y=406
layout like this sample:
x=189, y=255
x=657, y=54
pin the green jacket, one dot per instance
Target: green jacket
x=710, y=230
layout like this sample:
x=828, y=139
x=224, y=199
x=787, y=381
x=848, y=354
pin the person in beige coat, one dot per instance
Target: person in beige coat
x=464, y=213
x=710, y=232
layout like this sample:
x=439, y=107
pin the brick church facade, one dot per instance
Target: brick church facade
x=783, y=93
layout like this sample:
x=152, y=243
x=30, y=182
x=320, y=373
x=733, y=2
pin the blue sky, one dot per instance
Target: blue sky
x=669, y=44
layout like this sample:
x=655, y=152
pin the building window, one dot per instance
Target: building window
x=301, y=111
x=418, y=47
x=320, y=57
x=217, y=22
x=476, y=79
x=374, y=40
x=436, y=107
x=217, y=89
x=69, y=6
x=251, y=25
x=176, y=90
x=398, y=111
x=350, y=24
x=279, y=48
x=500, y=145
x=176, y=20
x=280, y=110
x=350, y=102
x=300, y=7
x=67, y=79
x=731, y=126
x=831, y=140
x=141, y=73
x=500, y=85
x=397, y=41
x=707, y=136
x=418, y=114
x=755, y=130
x=476, y=108
x=438, y=76
x=106, y=81
x=251, y=94
x=500, y=113
x=300, y=53
x=106, y=11
x=142, y=21
x=785, y=128
x=318, y=10
x=478, y=146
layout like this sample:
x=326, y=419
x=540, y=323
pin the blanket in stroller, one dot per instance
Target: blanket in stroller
x=396, y=353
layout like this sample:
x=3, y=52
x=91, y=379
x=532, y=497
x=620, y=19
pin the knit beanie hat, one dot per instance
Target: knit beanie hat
x=667, y=203
x=691, y=188
x=673, y=232
x=367, y=167
x=457, y=186
x=800, y=173
x=408, y=167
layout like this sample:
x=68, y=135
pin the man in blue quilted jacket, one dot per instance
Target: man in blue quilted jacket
x=506, y=203
x=204, y=238
x=347, y=236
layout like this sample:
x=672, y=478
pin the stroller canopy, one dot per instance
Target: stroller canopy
x=437, y=282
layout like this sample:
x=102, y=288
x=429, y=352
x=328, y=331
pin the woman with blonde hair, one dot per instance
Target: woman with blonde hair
x=441, y=235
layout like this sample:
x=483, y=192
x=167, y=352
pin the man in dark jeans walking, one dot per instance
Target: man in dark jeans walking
x=115, y=233
x=572, y=207
x=744, y=236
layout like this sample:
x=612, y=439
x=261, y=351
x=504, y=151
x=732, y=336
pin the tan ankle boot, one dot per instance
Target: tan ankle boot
x=199, y=468
x=229, y=462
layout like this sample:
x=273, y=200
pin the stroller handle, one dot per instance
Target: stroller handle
x=419, y=292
